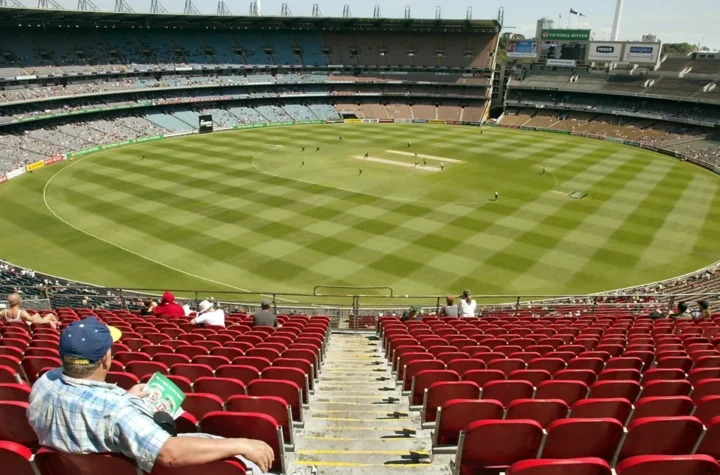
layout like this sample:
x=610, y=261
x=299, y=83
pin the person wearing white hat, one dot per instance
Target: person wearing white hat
x=209, y=316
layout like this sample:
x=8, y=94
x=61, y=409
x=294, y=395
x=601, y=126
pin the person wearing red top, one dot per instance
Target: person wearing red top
x=168, y=308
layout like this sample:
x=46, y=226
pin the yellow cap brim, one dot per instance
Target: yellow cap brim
x=115, y=333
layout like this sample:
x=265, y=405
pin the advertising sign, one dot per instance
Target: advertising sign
x=36, y=165
x=565, y=35
x=50, y=161
x=522, y=49
x=205, y=125
x=565, y=63
x=3, y=179
x=642, y=52
x=15, y=173
x=605, y=52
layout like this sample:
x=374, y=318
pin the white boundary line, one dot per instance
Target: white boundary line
x=122, y=248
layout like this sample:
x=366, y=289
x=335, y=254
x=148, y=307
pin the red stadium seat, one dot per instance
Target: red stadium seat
x=507, y=366
x=568, y=391
x=483, y=376
x=583, y=375
x=705, y=387
x=295, y=375
x=611, y=389
x=619, y=375
x=593, y=364
x=708, y=407
x=251, y=426
x=439, y=393
x=224, y=388
x=578, y=466
x=52, y=462
x=461, y=366
x=191, y=371
x=191, y=351
x=661, y=436
x=542, y=411
x=211, y=361
x=14, y=392
x=551, y=365
x=288, y=391
x=274, y=407
x=171, y=359
x=32, y=365
x=654, y=374
x=710, y=444
x=456, y=414
x=496, y=445
x=698, y=374
x=141, y=368
x=255, y=361
x=219, y=467
x=124, y=380
x=663, y=407
x=507, y=391
x=669, y=465
x=612, y=408
x=15, y=459
x=199, y=404
x=126, y=357
x=575, y=438
x=424, y=379
x=667, y=388
x=15, y=426
x=533, y=376
x=242, y=373
x=414, y=367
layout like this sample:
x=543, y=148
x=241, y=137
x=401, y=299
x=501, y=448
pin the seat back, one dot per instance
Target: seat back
x=612, y=408
x=219, y=467
x=669, y=465
x=496, y=445
x=199, y=404
x=574, y=438
x=542, y=411
x=240, y=372
x=285, y=390
x=663, y=407
x=52, y=462
x=581, y=466
x=568, y=391
x=454, y=415
x=439, y=393
x=507, y=391
x=424, y=379
x=661, y=436
x=224, y=388
x=15, y=459
x=272, y=406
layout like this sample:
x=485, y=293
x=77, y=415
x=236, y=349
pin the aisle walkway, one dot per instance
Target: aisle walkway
x=358, y=422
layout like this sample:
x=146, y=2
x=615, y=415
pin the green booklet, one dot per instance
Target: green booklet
x=164, y=395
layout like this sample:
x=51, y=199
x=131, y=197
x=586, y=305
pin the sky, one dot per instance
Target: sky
x=692, y=21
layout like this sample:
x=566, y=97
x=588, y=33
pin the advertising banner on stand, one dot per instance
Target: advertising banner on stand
x=565, y=35
x=353, y=121
x=522, y=49
x=419, y=121
x=15, y=173
x=50, y=161
x=563, y=63
x=36, y=166
x=370, y=121
x=3, y=179
x=642, y=52
x=402, y=121
x=606, y=52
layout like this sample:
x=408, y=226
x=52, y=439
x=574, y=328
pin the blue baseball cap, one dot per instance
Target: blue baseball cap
x=86, y=341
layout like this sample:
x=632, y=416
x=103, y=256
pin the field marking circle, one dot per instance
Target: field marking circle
x=122, y=248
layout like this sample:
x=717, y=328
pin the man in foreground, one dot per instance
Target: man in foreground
x=72, y=409
x=168, y=308
x=264, y=317
x=16, y=314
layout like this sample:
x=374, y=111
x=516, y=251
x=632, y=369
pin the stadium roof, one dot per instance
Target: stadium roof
x=68, y=18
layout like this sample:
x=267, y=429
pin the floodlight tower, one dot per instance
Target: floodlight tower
x=616, y=21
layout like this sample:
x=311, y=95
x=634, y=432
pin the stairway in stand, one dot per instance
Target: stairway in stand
x=358, y=422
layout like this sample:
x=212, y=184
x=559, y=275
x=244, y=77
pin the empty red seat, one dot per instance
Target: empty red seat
x=661, y=436
x=15, y=459
x=663, y=407
x=411, y=370
x=708, y=407
x=710, y=444
x=124, y=380
x=240, y=372
x=697, y=374
x=52, y=462
x=497, y=444
x=483, y=376
x=286, y=390
x=199, y=404
x=191, y=351
x=460, y=366
x=191, y=371
x=675, y=362
x=507, y=391
x=15, y=426
x=533, y=376
x=706, y=387
x=219, y=467
x=170, y=359
x=248, y=425
x=456, y=414
x=33, y=365
x=126, y=357
x=551, y=365
x=593, y=364
x=654, y=374
x=224, y=388
x=295, y=375
x=14, y=392
x=272, y=406
x=542, y=411
x=669, y=465
x=611, y=389
x=574, y=438
x=211, y=361
x=507, y=366
x=578, y=466
x=255, y=361
x=141, y=368
x=612, y=408
x=441, y=392
x=568, y=391
x=424, y=379
x=667, y=388
x=585, y=376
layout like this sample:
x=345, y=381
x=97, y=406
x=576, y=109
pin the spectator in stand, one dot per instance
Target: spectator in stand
x=16, y=314
x=467, y=305
x=207, y=315
x=168, y=308
x=703, y=313
x=413, y=314
x=72, y=409
x=682, y=312
x=450, y=309
x=149, y=308
x=264, y=317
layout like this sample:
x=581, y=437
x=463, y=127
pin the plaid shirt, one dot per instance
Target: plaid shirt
x=79, y=416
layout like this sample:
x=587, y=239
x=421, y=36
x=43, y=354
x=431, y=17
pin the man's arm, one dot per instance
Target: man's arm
x=189, y=450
